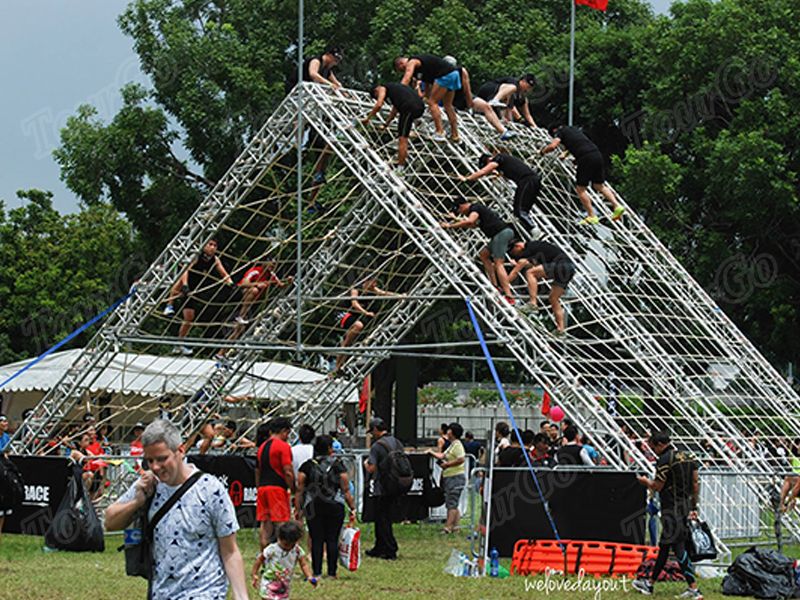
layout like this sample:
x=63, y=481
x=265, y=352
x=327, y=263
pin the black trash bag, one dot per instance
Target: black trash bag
x=762, y=574
x=75, y=526
x=12, y=487
x=432, y=494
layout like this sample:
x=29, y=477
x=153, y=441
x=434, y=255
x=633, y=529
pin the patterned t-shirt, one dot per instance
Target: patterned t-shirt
x=279, y=566
x=187, y=563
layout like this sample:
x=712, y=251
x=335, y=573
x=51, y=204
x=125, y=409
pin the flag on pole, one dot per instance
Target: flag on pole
x=595, y=4
x=546, y=403
x=363, y=397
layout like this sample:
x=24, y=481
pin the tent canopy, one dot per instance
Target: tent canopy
x=148, y=375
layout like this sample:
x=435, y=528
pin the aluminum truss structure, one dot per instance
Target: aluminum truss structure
x=647, y=347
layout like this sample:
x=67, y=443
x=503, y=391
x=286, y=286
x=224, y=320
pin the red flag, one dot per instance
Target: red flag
x=363, y=396
x=595, y=4
x=545, y=403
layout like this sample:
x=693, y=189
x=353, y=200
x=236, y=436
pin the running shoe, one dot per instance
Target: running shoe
x=455, y=138
x=644, y=586
x=617, y=214
x=494, y=102
x=529, y=309
x=186, y=351
x=318, y=178
x=439, y=137
x=691, y=593
x=242, y=321
x=169, y=310
x=510, y=300
x=593, y=220
x=507, y=135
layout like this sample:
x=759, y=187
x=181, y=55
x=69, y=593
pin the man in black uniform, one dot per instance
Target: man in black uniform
x=406, y=103
x=383, y=443
x=319, y=69
x=499, y=233
x=441, y=80
x=528, y=182
x=678, y=483
x=504, y=93
x=195, y=285
x=590, y=169
x=543, y=260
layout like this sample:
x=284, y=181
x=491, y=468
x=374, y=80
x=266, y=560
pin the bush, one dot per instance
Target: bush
x=432, y=396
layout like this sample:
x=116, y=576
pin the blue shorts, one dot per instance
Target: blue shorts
x=451, y=81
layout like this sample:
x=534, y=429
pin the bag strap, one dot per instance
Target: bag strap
x=151, y=526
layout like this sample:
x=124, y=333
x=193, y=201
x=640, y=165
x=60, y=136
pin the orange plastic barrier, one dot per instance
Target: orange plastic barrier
x=593, y=558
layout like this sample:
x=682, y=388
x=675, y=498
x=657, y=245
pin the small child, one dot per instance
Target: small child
x=276, y=564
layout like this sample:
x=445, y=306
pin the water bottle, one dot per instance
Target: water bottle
x=464, y=565
x=494, y=563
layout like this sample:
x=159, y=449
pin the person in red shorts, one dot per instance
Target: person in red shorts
x=274, y=480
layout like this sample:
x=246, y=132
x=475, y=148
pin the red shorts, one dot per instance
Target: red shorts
x=272, y=504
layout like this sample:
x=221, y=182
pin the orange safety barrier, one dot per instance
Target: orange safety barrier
x=593, y=558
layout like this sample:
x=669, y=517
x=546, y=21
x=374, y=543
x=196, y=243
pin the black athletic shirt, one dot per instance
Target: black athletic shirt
x=542, y=252
x=489, y=221
x=323, y=70
x=501, y=80
x=200, y=270
x=432, y=67
x=511, y=456
x=403, y=97
x=576, y=141
x=513, y=168
x=676, y=470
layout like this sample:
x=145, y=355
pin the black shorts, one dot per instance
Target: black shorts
x=591, y=169
x=561, y=271
x=406, y=121
x=348, y=319
x=527, y=193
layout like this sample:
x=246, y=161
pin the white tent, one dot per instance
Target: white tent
x=149, y=376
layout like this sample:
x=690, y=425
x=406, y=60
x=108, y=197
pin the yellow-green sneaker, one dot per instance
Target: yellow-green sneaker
x=617, y=214
x=593, y=220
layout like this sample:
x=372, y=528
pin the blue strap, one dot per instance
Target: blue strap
x=67, y=339
x=500, y=389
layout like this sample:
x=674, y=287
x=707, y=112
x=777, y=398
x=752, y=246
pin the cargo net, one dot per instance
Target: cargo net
x=645, y=341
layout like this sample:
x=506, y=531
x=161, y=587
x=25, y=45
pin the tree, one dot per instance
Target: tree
x=57, y=272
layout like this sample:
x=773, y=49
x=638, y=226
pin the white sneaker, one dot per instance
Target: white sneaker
x=494, y=102
x=439, y=137
x=186, y=351
x=691, y=593
x=242, y=321
x=644, y=586
x=169, y=310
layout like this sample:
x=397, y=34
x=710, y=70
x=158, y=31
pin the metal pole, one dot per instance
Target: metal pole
x=571, y=63
x=299, y=267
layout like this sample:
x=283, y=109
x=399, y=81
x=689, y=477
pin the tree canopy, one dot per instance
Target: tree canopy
x=698, y=111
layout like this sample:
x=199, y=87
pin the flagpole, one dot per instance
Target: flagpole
x=571, y=63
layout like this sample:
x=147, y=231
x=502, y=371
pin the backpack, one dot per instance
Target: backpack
x=12, y=488
x=75, y=525
x=395, y=471
x=323, y=481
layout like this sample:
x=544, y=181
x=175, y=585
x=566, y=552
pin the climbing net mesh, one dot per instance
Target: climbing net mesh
x=645, y=344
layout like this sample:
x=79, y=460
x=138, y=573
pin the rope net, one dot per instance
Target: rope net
x=646, y=348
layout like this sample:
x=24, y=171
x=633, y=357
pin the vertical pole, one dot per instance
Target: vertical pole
x=299, y=267
x=571, y=62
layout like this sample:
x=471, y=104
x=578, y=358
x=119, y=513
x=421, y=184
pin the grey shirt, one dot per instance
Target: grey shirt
x=187, y=563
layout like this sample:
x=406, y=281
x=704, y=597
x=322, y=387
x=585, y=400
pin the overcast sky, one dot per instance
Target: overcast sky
x=55, y=55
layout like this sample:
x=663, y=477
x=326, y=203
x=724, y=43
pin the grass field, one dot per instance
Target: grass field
x=28, y=573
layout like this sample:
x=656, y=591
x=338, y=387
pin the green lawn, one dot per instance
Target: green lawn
x=28, y=573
